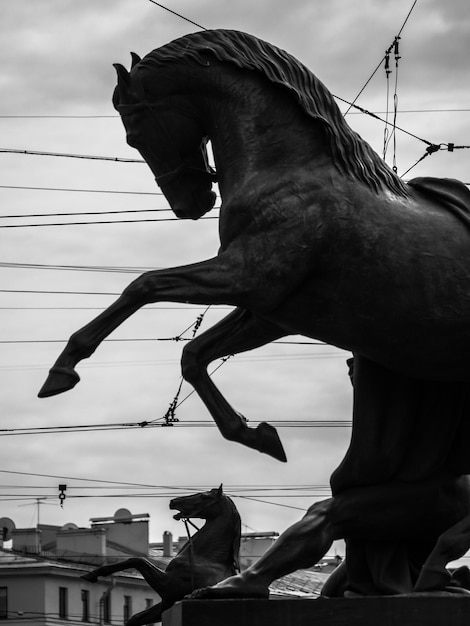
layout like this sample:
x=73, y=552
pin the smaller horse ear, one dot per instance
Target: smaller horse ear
x=135, y=59
x=221, y=491
x=122, y=74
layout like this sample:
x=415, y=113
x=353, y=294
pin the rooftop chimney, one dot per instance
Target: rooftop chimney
x=167, y=543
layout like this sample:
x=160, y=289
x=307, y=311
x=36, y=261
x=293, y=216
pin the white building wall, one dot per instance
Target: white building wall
x=33, y=596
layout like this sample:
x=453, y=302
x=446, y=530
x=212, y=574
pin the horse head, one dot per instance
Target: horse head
x=204, y=505
x=171, y=140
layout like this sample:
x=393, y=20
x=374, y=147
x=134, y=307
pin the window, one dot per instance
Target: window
x=63, y=602
x=148, y=605
x=3, y=602
x=85, y=605
x=127, y=608
x=106, y=603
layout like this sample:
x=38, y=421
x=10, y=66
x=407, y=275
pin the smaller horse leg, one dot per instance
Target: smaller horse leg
x=238, y=332
x=299, y=547
x=153, y=575
x=148, y=616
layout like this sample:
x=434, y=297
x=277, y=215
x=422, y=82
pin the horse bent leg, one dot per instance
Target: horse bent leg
x=238, y=332
x=153, y=575
x=299, y=547
x=208, y=282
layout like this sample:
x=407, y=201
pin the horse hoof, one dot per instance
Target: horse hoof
x=90, y=577
x=269, y=442
x=60, y=379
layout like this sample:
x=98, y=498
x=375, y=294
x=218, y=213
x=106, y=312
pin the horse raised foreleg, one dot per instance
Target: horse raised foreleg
x=153, y=575
x=238, y=332
x=209, y=282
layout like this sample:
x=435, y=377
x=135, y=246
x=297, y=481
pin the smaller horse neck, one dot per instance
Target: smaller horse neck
x=215, y=540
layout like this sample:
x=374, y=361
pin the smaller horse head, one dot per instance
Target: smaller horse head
x=204, y=505
x=170, y=139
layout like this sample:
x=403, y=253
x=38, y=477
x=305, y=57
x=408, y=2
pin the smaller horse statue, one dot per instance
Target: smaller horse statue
x=209, y=556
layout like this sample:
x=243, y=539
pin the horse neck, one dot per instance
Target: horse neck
x=214, y=541
x=255, y=125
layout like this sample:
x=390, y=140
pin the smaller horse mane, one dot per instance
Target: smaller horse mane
x=237, y=532
x=351, y=154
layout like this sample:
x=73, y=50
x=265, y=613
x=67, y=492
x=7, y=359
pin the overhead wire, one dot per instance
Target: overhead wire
x=70, y=155
x=101, y=222
x=383, y=58
x=162, y=6
x=50, y=430
x=75, y=213
x=436, y=110
x=236, y=490
x=74, y=190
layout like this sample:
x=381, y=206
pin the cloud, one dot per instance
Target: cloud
x=57, y=61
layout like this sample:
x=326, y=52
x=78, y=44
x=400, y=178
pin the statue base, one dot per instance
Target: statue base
x=416, y=610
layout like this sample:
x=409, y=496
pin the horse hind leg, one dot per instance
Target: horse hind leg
x=153, y=575
x=148, y=616
x=238, y=332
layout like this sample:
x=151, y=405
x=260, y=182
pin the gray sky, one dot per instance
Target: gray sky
x=57, y=61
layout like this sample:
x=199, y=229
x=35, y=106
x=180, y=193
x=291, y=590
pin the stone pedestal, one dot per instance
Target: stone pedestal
x=420, y=610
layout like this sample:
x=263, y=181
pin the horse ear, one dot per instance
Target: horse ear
x=123, y=83
x=122, y=74
x=122, y=92
x=221, y=491
x=135, y=59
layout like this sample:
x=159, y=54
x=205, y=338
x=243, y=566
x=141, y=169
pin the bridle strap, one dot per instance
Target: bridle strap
x=191, y=551
x=167, y=177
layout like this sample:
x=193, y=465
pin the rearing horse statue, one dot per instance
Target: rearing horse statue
x=318, y=236
x=209, y=556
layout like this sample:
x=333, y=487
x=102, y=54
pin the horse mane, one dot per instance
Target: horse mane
x=237, y=533
x=351, y=154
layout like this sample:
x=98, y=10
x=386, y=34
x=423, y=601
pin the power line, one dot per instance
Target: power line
x=73, y=293
x=169, y=491
x=75, y=213
x=178, y=14
x=101, y=222
x=47, y=430
x=182, y=307
x=53, y=117
x=383, y=58
x=79, y=268
x=135, y=193
x=134, y=339
x=69, y=155
x=117, y=116
x=412, y=110
x=68, y=293
x=366, y=112
x=190, y=487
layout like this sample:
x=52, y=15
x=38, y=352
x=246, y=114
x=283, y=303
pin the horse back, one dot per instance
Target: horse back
x=452, y=195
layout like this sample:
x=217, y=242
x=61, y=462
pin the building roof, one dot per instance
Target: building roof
x=299, y=584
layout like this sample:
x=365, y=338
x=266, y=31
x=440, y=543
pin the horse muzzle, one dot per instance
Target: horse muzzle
x=194, y=207
x=174, y=506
